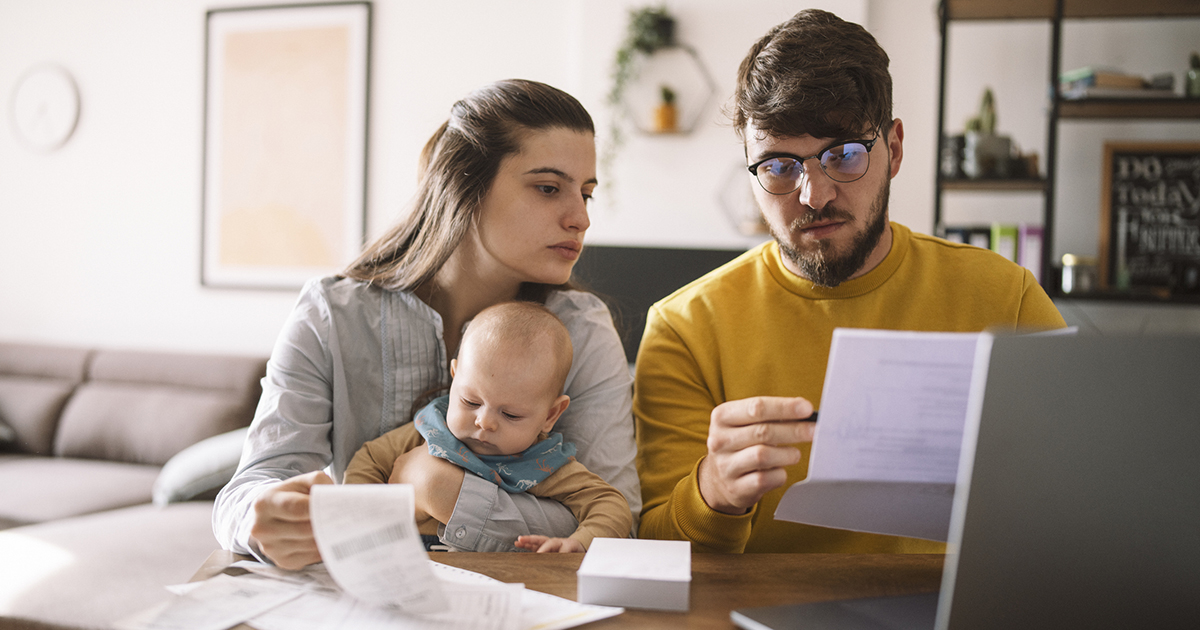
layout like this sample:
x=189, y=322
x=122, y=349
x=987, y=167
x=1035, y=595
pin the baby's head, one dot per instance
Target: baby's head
x=508, y=378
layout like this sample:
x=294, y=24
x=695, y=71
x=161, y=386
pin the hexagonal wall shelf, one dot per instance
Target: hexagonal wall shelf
x=677, y=73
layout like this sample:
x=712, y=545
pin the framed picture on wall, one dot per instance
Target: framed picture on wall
x=1150, y=218
x=285, y=143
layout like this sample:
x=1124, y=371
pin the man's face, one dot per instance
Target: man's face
x=828, y=231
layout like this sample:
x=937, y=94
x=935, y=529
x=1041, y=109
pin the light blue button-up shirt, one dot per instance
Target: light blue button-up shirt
x=348, y=366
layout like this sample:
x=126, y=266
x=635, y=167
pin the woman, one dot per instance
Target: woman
x=500, y=214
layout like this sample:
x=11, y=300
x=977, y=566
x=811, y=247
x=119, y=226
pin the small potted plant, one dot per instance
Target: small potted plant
x=986, y=154
x=649, y=29
x=665, y=115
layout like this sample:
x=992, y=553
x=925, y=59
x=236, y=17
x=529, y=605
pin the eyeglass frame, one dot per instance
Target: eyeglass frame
x=869, y=144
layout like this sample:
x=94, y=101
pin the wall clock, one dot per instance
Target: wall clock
x=45, y=107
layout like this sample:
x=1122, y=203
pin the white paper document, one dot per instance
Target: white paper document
x=215, y=604
x=375, y=574
x=885, y=453
x=273, y=599
x=370, y=544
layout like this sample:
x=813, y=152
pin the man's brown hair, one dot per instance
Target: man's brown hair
x=815, y=74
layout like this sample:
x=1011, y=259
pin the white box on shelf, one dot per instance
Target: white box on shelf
x=636, y=573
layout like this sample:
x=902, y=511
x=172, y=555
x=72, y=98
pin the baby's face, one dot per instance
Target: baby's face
x=500, y=400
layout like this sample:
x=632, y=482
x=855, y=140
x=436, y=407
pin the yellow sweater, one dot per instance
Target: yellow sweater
x=752, y=328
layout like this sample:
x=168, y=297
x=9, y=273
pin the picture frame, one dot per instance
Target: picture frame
x=286, y=93
x=1150, y=218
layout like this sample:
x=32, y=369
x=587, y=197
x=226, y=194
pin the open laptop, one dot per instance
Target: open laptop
x=1081, y=506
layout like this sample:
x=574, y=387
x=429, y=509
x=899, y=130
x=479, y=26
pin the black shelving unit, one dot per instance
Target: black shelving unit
x=1056, y=12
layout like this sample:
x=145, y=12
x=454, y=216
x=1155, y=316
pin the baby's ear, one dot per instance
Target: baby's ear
x=453, y=367
x=556, y=410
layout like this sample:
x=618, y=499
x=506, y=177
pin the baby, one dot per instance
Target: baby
x=505, y=396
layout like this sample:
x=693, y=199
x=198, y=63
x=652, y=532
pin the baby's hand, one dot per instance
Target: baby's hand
x=545, y=544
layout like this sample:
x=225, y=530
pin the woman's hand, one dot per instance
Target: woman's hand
x=282, y=529
x=436, y=483
x=545, y=544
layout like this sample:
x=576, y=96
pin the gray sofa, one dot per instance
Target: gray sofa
x=109, y=461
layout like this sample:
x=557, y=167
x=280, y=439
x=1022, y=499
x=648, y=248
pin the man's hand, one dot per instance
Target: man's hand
x=748, y=449
x=282, y=529
x=436, y=483
x=545, y=544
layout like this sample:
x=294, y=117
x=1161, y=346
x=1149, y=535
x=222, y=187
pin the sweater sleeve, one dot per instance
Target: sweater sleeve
x=373, y=462
x=601, y=510
x=1037, y=310
x=672, y=405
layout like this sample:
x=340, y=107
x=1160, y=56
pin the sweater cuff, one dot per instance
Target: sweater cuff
x=708, y=529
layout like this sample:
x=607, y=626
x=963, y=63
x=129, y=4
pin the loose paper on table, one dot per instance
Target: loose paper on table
x=376, y=574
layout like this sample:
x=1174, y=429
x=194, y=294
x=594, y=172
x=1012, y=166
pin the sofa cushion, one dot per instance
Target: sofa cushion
x=54, y=362
x=143, y=407
x=38, y=489
x=92, y=570
x=35, y=382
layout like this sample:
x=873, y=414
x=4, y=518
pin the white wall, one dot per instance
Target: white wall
x=99, y=240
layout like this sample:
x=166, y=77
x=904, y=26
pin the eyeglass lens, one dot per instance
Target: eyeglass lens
x=843, y=163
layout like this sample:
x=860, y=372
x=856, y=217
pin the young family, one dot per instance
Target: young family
x=456, y=356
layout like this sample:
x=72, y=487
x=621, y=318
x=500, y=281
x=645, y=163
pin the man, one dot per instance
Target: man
x=732, y=364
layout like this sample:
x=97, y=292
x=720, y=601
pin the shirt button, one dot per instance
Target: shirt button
x=460, y=532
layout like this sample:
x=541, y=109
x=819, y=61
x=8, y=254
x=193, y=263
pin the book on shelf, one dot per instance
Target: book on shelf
x=1093, y=82
x=1018, y=242
x=1082, y=93
x=1093, y=76
x=1029, y=249
x=977, y=235
x=1003, y=240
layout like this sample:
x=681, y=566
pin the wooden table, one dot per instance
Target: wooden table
x=720, y=582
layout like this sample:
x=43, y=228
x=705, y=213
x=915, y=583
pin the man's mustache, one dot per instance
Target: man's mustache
x=827, y=213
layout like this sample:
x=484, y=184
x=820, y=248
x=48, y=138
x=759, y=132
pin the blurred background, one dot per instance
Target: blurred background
x=100, y=239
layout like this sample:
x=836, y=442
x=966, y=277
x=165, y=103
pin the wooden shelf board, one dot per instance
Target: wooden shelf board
x=1044, y=9
x=1129, y=108
x=994, y=185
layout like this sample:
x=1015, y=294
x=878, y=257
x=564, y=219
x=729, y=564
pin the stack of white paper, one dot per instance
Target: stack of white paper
x=636, y=573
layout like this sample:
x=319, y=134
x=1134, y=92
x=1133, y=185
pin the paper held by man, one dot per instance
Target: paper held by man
x=886, y=450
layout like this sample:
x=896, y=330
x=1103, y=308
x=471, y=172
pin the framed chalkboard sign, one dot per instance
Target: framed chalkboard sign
x=1150, y=219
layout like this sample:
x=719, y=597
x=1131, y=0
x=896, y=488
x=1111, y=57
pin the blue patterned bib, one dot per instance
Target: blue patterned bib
x=514, y=473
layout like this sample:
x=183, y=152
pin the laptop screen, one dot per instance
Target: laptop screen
x=1082, y=506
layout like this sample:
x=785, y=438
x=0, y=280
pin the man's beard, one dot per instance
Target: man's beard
x=820, y=265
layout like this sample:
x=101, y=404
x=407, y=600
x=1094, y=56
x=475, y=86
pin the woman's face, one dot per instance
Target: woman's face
x=530, y=226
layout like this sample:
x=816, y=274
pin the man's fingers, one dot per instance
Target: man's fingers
x=749, y=488
x=761, y=409
x=756, y=459
x=774, y=433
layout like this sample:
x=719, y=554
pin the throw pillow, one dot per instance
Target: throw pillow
x=200, y=470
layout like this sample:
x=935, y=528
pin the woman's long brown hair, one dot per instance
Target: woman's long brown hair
x=457, y=168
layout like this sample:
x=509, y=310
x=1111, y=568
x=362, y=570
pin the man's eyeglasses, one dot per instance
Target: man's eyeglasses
x=843, y=162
